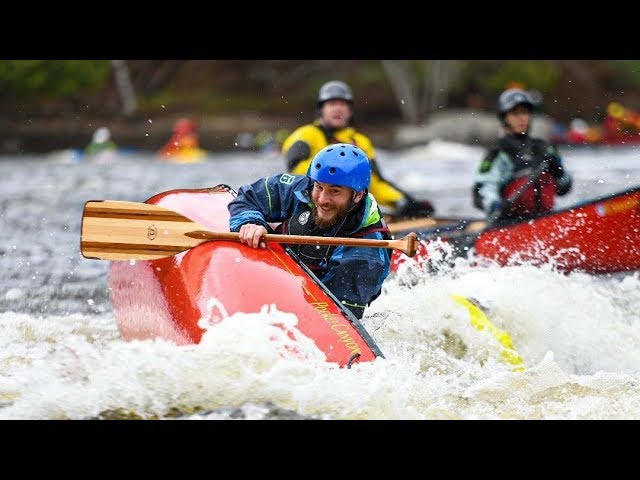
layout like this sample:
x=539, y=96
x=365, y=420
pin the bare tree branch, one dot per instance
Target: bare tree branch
x=439, y=78
x=125, y=87
x=403, y=86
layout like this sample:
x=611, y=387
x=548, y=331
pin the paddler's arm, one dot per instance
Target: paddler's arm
x=298, y=152
x=389, y=194
x=564, y=181
x=494, y=171
x=267, y=200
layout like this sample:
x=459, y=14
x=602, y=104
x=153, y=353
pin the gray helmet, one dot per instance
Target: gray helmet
x=510, y=99
x=335, y=89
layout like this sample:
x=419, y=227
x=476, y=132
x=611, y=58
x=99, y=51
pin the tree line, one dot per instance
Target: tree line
x=409, y=90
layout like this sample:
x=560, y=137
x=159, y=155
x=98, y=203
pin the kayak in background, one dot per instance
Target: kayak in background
x=620, y=127
x=184, y=155
x=184, y=144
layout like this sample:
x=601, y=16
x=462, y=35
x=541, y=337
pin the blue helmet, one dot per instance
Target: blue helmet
x=341, y=164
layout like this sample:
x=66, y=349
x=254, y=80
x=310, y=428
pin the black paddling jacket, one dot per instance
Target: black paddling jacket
x=509, y=161
x=353, y=274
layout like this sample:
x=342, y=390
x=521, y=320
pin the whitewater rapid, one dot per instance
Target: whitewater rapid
x=62, y=356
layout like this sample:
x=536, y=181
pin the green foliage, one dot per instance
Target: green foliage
x=288, y=87
x=203, y=101
x=369, y=73
x=627, y=71
x=493, y=76
x=26, y=79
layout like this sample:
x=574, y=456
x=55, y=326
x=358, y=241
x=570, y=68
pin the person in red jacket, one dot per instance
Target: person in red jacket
x=513, y=160
x=184, y=141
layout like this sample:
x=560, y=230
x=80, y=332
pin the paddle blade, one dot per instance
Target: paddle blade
x=118, y=230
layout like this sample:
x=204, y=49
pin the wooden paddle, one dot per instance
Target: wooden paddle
x=404, y=225
x=120, y=230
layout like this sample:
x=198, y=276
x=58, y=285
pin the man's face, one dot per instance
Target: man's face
x=518, y=119
x=335, y=113
x=331, y=203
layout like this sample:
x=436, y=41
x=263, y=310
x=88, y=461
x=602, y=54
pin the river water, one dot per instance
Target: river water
x=62, y=356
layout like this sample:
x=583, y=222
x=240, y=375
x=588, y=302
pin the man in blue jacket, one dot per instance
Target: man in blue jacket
x=332, y=200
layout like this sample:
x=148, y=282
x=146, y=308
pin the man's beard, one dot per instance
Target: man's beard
x=325, y=223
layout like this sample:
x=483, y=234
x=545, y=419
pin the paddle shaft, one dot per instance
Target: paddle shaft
x=419, y=223
x=406, y=244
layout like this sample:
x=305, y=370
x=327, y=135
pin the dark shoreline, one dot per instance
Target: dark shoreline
x=232, y=131
x=220, y=133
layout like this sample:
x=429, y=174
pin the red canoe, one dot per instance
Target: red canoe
x=599, y=236
x=167, y=297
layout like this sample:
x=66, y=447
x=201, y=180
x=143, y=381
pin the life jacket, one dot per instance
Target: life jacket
x=526, y=153
x=306, y=141
x=316, y=137
x=537, y=198
x=316, y=257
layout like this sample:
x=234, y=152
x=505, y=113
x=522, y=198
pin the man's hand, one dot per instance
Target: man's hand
x=252, y=234
x=563, y=184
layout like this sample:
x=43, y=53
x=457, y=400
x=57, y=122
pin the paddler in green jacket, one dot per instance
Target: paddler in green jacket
x=331, y=200
x=335, y=103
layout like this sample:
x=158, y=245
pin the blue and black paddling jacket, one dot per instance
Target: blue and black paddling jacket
x=353, y=274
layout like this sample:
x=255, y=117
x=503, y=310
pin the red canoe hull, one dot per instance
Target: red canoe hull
x=168, y=297
x=600, y=236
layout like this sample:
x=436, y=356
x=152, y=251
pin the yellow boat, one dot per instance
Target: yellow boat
x=185, y=155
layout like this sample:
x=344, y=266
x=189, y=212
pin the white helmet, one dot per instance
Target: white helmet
x=101, y=135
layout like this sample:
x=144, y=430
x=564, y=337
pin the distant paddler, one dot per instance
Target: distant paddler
x=101, y=147
x=184, y=144
x=334, y=125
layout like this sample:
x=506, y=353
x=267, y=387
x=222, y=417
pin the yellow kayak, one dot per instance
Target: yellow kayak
x=185, y=155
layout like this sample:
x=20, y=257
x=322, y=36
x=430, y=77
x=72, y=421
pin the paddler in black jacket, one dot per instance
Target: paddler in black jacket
x=331, y=200
x=512, y=159
x=335, y=105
